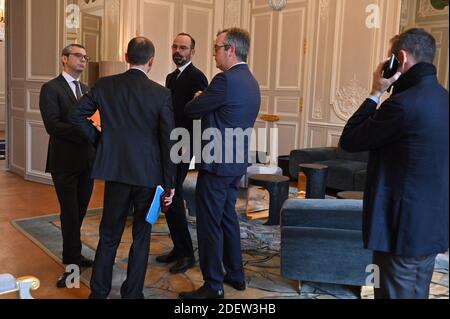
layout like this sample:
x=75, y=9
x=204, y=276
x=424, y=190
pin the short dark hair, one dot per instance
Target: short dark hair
x=240, y=39
x=140, y=51
x=418, y=42
x=190, y=37
x=68, y=49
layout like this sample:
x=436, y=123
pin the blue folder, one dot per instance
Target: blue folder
x=155, y=207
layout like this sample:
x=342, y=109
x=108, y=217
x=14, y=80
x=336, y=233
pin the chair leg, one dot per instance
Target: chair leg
x=299, y=287
x=25, y=284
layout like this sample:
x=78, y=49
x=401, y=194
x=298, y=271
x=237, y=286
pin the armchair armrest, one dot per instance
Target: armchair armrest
x=21, y=286
x=309, y=155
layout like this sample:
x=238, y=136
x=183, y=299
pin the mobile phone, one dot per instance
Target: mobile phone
x=390, y=68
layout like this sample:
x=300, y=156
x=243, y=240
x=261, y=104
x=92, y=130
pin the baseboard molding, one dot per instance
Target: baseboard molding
x=40, y=180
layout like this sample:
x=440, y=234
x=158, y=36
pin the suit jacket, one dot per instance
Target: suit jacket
x=183, y=89
x=231, y=101
x=406, y=208
x=137, y=119
x=68, y=149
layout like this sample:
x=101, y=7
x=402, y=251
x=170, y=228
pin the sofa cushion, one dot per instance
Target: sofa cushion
x=309, y=155
x=359, y=182
x=321, y=213
x=361, y=156
x=340, y=173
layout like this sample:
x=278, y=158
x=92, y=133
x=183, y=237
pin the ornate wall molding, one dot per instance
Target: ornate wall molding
x=324, y=10
x=427, y=10
x=232, y=13
x=318, y=108
x=349, y=98
x=92, y=4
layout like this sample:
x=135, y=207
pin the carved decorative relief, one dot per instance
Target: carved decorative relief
x=89, y=4
x=427, y=10
x=323, y=10
x=349, y=98
x=232, y=13
x=317, y=108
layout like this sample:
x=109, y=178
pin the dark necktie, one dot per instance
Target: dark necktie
x=177, y=73
x=77, y=89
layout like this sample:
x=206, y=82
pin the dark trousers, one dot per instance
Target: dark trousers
x=403, y=277
x=117, y=200
x=176, y=217
x=218, y=230
x=74, y=191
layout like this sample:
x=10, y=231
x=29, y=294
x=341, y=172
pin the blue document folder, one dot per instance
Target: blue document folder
x=155, y=207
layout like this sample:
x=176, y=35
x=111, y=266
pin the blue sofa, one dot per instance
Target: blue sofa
x=321, y=241
x=346, y=171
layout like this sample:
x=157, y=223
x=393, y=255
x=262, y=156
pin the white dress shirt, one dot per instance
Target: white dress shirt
x=70, y=80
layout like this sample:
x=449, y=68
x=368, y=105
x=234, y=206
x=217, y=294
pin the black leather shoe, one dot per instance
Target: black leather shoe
x=182, y=265
x=235, y=284
x=86, y=263
x=167, y=258
x=61, y=283
x=202, y=293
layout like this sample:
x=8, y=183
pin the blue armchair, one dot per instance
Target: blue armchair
x=321, y=241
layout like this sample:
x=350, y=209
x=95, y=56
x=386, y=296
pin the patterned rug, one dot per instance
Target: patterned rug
x=260, y=248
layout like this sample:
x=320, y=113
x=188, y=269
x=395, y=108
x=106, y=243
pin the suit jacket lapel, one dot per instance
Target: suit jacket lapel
x=67, y=88
x=84, y=88
x=186, y=71
x=173, y=77
x=172, y=80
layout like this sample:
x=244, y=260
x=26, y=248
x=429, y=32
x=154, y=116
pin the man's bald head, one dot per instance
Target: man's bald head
x=140, y=51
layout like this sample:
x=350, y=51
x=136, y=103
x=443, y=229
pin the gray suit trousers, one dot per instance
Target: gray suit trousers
x=403, y=277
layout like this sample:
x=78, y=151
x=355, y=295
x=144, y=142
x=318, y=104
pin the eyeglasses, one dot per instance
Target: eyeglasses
x=181, y=47
x=80, y=56
x=225, y=46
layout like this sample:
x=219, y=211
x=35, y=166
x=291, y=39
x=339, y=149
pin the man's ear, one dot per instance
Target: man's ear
x=403, y=58
x=232, y=50
x=126, y=58
x=150, y=63
x=193, y=52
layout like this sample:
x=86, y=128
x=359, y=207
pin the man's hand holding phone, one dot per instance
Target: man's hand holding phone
x=380, y=83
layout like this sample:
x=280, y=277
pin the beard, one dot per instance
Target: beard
x=179, y=60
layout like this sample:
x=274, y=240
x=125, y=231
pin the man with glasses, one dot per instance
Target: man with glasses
x=231, y=102
x=183, y=83
x=70, y=154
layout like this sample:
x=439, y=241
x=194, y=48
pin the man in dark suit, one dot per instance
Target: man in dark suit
x=133, y=157
x=406, y=209
x=184, y=82
x=228, y=108
x=70, y=154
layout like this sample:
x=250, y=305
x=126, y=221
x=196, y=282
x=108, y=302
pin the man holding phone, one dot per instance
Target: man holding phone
x=406, y=212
